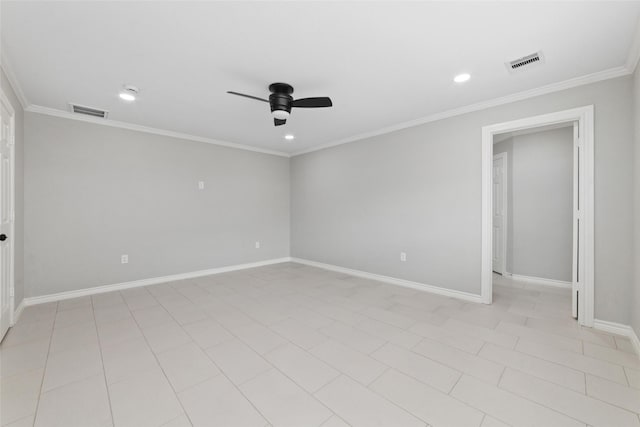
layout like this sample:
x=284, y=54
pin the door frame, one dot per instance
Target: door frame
x=12, y=165
x=585, y=118
x=505, y=216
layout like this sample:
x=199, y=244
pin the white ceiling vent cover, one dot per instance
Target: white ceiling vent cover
x=525, y=62
x=89, y=111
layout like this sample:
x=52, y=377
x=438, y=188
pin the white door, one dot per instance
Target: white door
x=6, y=215
x=499, y=212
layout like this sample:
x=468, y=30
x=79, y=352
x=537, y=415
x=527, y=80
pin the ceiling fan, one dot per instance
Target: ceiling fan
x=281, y=101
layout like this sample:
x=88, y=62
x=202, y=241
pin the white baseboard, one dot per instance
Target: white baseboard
x=18, y=311
x=394, y=281
x=619, y=329
x=146, y=282
x=540, y=281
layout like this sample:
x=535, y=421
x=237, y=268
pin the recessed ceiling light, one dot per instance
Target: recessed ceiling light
x=461, y=78
x=289, y=137
x=128, y=93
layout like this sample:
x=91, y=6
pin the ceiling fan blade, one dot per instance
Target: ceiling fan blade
x=279, y=122
x=319, y=102
x=248, y=96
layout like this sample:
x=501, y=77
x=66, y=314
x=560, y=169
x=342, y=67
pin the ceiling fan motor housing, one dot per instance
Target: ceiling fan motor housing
x=280, y=98
x=280, y=101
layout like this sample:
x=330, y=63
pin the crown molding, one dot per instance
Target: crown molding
x=634, y=51
x=611, y=73
x=633, y=57
x=146, y=129
x=5, y=64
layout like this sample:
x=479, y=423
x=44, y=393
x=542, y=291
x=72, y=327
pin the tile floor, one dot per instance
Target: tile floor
x=291, y=345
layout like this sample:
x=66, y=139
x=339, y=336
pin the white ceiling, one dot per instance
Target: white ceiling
x=382, y=63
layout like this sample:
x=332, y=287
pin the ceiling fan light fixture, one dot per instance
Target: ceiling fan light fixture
x=129, y=93
x=280, y=114
x=461, y=78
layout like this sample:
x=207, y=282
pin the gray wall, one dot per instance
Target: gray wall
x=94, y=192
x=419, y=190
x=635, y=300
x=540, y=203
x=19, y=188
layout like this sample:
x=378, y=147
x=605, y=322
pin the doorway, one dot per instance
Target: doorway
x=495, y=214
x=500, y=212
x=7, y=216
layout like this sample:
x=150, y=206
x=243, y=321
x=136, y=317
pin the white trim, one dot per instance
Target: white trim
x=619, y=329
x=12, y=200
x=146, y=282
x=611, y=73
x=634, y=51
x=540, y=281
x=18, y=311
x=130, y=126
x=5, y=64
x=635, y=341
x=505, y=201
x=584, y=116
x=393, y=280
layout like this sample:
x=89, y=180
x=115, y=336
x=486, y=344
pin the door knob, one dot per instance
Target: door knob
x=3, y=237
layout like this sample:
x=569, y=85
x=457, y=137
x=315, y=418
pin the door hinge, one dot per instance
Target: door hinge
x=11, y=292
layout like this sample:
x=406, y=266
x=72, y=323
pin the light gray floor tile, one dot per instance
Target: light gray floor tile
x=553, y=372
x=356, y=365
x=144, y=399
x=216, y=402
x=66, y=367
x=612, y=355
x=283, y=402
x=431, y=405
x=186, y=366
x=574, y=360
x=614, y=393
x=361, y=407
x=460, y=360
x=298, y=333
x=352, y=337
x=258, y=337
x=238, y=361
x=507, y=407
x=576, y=405
x=467, y=343
x=423, y=369
x=127, y=358
x=207, y=333
x=306, y=370
x=83, y=403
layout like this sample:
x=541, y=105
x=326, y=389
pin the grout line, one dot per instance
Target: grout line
x=454, y=386
x=104, y=374
x=44, y=372
x=552, y=409
x=155, y=356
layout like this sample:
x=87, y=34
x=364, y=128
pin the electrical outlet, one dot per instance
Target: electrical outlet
x=257, y=245
x=124, y=259
x=200, y=185
x=403, y=256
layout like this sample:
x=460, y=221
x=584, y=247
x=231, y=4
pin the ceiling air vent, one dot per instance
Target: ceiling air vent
x=525, y=62
x=89, y=111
